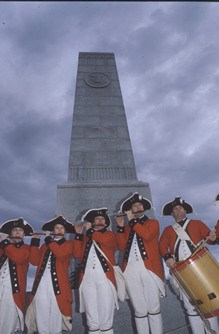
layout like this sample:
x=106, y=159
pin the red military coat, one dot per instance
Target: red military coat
x=18, y=256
x=148, y=231
x=217, y=229
x=196, y=230
x=106, y=241
x=63, y=253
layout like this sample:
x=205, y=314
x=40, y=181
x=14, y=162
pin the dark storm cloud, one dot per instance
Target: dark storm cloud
x=167, y=59
x=33, y=161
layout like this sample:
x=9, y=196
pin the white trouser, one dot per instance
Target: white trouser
x=98, y=301
x=11, y=318
x=9, y=315
x=197, y=324
x=110, y=331
x=48, y=315
x=144, y=295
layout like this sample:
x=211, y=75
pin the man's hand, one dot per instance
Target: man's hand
x=87, y=225
x=79, y=228
x=120, y=221
x=170, y=262
x=3, y=236
x=130, y=215
x=212, y=235
x=36, y=235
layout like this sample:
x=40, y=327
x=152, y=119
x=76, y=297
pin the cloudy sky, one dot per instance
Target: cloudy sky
x=167, y=55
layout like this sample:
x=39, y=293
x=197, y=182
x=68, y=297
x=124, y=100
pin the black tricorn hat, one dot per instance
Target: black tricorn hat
x=168, y=207
x=217, y=197
x=49, y=226
x=93, y=213
x=135, y=198
x=8, y=226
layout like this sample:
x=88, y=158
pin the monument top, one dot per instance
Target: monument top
x=100, y=144
x=96, y=54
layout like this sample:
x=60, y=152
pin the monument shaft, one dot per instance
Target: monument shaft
x=101, y=164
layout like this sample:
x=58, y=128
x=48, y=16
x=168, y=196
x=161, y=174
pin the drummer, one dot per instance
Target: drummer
x=178, y=242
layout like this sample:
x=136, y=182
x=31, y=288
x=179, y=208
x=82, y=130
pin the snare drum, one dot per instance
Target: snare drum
x=198, y=276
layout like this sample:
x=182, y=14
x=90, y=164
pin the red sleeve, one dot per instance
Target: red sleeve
x=62, y=252
x=121, y=238
x=18, y=255
x=149, y=230
x=199, y=230
x=217, y=229
x=35, y=255
x=106, y=239
x=165, y=242
x=78, y=247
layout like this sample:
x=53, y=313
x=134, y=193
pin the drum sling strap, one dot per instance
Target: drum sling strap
x=182, y=235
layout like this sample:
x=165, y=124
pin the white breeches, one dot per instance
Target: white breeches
x=197, y=324
x=144, y=295
x=48, y=315
x=11, y=318
x=98, y=301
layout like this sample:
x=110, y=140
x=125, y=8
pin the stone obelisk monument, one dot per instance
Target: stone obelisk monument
x=101, y=169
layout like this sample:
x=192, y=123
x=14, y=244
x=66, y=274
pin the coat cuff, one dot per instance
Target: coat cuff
x=48, y=240
x=4, y=243
x=132, y=223
x=35, y=242
x=79, y=236
x=89, y=232
x=167, y=256
x=120, y=229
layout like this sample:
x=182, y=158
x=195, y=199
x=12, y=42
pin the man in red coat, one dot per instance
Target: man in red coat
x=14, y=263
x=178, y=242
x=50, y=308
x=97, y=291
x=142, y=264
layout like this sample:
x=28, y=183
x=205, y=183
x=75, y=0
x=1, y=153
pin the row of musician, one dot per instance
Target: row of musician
x=194, y=271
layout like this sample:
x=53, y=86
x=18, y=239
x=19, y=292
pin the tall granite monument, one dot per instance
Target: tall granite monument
x=102, y=171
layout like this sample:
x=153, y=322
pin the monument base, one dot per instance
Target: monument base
x=74, y=199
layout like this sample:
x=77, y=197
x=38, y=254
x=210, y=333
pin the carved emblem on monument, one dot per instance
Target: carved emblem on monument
x=97, y=79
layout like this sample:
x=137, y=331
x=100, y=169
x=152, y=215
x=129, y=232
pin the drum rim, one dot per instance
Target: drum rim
x=189, y=261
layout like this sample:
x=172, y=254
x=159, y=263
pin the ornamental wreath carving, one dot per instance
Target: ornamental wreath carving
x=97, y=79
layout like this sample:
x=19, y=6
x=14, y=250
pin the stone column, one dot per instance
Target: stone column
x=101, y=170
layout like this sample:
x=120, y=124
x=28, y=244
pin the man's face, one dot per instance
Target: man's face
x=59, y=229
x=17, y=233
x=99, y=223
x=179, y=213
x=137, y=207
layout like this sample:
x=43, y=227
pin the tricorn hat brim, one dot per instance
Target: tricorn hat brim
x=135, y=198
x=91, y=214
x=217, y=197
x=49, y=226
x=8, y=226
x=168, y=207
